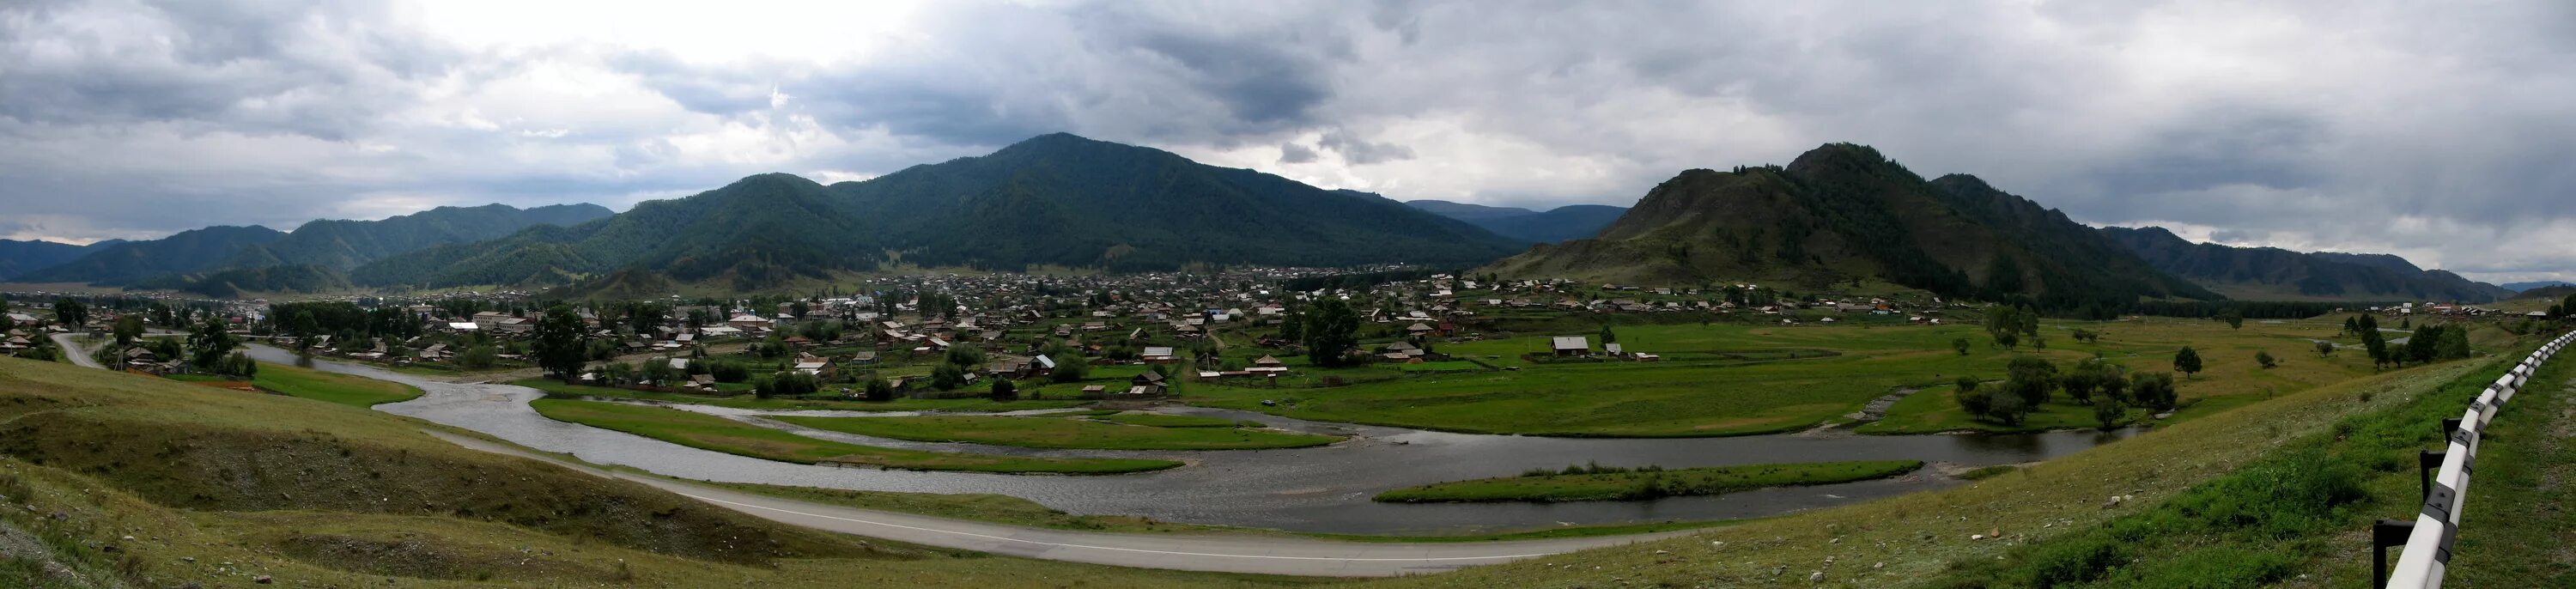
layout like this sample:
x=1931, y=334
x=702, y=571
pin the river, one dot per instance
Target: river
x=1324, y=489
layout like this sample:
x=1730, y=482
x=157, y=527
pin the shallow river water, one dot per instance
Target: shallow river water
x=1324, y=489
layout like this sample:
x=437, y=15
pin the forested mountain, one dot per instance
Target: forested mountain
x=2279, y=274
x=1054, y=200
x=2528, y=286
x=188, y=251
x=327, y=244
x=290, y=278
x=1554, y=225
x=21, y=257
x=1842, y=213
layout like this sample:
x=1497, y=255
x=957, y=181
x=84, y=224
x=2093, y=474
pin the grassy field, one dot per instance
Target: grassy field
x=144, y=482
x=709, y=432
x=1005, y=509
x=1594, y=484
x=1732, y=379
x=1048, y=431
x=1918, y=536
x=327, y=387
x=1165, y=420
x=971, y=405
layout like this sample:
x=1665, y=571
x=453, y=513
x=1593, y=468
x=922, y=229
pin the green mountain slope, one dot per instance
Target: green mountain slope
x=1844, y=212
x=188, y=251
x=21, y=257
x=288, y=278
x=1527, y=226
x=2279, y=274
x=1052, y=200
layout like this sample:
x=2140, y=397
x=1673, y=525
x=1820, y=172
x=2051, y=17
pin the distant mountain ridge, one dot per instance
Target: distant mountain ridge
x=1054, y=200
x=1843, y=213
x=2279, y=274
x=21, y=257
x=325, y=245
x=1551, y=226
x=2529, y=286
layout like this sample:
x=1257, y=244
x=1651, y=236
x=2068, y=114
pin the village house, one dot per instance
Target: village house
x=1572, y=345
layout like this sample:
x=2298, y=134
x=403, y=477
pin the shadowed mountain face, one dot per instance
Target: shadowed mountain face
x=1053, y=200
x=21, y=257
x=1844, y=213
x=1527, y=226
x=326, y=247
x=2279, y=274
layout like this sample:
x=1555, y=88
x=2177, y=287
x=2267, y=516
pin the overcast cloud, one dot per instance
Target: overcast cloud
x=2438, y=131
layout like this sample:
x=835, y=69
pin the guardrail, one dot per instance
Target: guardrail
x=2427, y=540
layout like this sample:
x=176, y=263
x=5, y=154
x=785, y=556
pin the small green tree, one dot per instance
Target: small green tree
x=2153, y=390
x=1003, y=390
x=1607, y=336
x=2325, y=348
x=1960, y=344
x=560, y=342
x=2107, y=412
x=2030, y=379
x=2187, y=361
x=128, y=328
x=2234, y=318
x=2265, y=358
x=879, y=390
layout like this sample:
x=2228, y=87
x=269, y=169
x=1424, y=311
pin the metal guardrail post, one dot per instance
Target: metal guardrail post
x=2425, y=463
x=2383, y=535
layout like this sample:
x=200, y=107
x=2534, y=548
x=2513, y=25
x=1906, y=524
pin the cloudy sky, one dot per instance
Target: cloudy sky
x=2445, y=132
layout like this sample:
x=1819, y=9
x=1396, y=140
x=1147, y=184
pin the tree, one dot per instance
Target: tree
x=947, y=377
x=1960, y=344
x=1003, y=390
x=879, y=390
x=2107, y=411
x=210, y=343
x=1608, y=337
x=2265, y=358
x=2002, y=323
x=728, y=371
x=617, y=373
x=2030, y=379
x=2454, y=344
x=658, y=372
x=2187, y=361
x=2087, y=378
x=2351, y=325
x=1332, y=328
x=2325, y=348
x=2234, y=318
x=478, y=357
x=127, y=329
x=560, y=342
x=71, y=313
x=2153, y=390
x=1069, y=367
x=2373, y=343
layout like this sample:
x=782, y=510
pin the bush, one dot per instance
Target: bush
x=1003, y=390
x=728, y=371
x=879, y=390
x=1069, y=368
x=786, y=383
x=2031, y=378
x=478, y=357
x=2153, y=390
x=2265, y=358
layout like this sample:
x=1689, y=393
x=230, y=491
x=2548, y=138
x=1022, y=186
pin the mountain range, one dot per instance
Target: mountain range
x=1528, y=226
x=2277, y=274
x=20, y=257
x=2529, y=286
x=1844, y=213
x=328, y=246
x=1051, y=201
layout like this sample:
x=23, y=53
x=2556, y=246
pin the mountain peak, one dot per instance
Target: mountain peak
x=1837, y=156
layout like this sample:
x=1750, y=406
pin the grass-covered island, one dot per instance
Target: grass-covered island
x=1611, y=483
x=1049, y=431
x=708, y=432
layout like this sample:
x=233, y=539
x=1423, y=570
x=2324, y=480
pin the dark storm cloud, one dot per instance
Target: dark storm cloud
x=2432, y=131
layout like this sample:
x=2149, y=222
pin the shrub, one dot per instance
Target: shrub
x=728, y=371
x=2265, y=358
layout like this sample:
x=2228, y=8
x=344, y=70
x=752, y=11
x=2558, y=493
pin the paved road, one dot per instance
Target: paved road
x=79, y=355
x=1193, y=552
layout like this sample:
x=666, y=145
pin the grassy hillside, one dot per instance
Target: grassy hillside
x=1911, y=539
x=148, y=482
x=331, y=387
x=1735, y=379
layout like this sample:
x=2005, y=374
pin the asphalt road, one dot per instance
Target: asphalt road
x=1255, y=554
x=79, y=354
